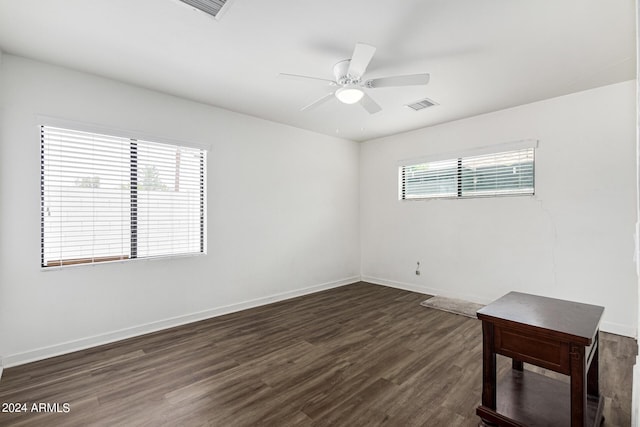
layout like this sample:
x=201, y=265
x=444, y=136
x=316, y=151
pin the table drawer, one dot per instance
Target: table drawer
x=534, y=349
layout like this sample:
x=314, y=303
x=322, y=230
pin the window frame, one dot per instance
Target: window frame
x=459, y=158
x=133, y=136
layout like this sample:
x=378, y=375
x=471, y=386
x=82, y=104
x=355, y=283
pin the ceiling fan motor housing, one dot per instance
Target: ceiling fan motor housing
x=340, y=71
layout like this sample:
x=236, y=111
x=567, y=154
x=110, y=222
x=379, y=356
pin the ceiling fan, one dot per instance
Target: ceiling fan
x=350, y=82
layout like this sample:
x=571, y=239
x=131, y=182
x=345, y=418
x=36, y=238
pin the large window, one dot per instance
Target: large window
x=106, y=198
x=493, y=174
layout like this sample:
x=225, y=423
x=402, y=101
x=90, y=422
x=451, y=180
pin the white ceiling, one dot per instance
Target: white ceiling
x=483, y=55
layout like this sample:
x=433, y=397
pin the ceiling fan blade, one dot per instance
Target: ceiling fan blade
x=362, y=55
x=318, y=102
x=369, y=104
x=410, y=80
x=300, y=77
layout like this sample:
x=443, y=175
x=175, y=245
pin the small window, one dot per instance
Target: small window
x=107, y=198
x=495, y=174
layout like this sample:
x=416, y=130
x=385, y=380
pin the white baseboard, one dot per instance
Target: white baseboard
x=88, y=342
x=425, y=289
x=612, y=327
x=618, y=329
x=109, y=337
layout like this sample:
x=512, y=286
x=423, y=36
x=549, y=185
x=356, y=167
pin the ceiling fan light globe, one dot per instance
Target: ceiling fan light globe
x=349, y=94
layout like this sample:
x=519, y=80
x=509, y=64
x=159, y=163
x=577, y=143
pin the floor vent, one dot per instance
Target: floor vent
x=422, y=104
x=212, y=7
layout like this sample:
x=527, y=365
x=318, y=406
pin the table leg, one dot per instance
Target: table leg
x=578, y=386
x=517, y=365
x=593, y=383
x=488, y=367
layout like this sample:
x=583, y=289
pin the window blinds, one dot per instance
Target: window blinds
x=106, y=198
x=433, y=179
x=495, y=174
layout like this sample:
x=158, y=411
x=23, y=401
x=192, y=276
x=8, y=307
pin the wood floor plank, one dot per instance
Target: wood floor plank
x=359, y=355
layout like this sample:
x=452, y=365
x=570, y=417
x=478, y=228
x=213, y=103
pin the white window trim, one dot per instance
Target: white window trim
x=44, y=120
x=479, y=151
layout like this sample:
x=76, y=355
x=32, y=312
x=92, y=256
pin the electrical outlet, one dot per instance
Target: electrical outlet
x=418, y=269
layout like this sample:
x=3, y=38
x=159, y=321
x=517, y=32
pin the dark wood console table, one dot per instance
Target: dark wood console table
x=558, y=335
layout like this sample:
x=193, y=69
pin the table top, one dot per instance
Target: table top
x=574, y=321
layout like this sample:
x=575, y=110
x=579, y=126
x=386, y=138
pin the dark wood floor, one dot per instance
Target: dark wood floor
x=360, y=355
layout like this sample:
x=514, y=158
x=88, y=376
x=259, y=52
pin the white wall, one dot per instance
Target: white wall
x=282, y=216
x=301, y=217
x=572, y=240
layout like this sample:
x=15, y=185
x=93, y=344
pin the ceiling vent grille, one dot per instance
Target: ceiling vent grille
x=212, y=7
x=422, y=104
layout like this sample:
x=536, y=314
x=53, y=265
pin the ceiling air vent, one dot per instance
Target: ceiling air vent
x=422, y=104
x=212, y=7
